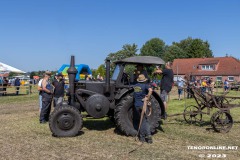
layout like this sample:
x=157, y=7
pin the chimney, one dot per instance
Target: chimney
x=107, y=86
x=72, y=71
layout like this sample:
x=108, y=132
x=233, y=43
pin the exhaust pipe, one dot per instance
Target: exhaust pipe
x=107, y=85
x=72, y=71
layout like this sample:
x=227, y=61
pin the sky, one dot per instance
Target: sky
x=43, y=34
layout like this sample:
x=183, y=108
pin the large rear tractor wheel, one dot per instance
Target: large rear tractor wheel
x=124, y=115
x=65, y=121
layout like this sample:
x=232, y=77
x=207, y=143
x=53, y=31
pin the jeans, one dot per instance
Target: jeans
x=40, y=102
x=57, y=101
x=145, y=127
x=45, y=111
x=203, y=90
x=164, y=95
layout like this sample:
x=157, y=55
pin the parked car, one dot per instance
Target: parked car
x=235, y=86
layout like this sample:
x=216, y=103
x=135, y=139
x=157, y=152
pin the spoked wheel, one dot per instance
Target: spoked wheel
x=221, y=121
x=192, y=114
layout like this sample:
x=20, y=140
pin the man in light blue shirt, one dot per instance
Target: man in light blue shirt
x=180, y=84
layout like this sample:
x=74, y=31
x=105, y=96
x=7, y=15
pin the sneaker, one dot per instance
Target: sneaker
x=149, y=139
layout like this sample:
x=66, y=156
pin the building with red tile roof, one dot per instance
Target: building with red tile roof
x=218, y=68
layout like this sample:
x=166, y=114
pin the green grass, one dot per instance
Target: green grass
x=23, y=97
x=22, y=137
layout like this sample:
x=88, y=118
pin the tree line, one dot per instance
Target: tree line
x=186, y=48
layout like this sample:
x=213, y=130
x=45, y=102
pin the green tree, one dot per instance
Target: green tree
x=174, y=52
x=101, y=69
x=94, y=73
x=40, y=73
x=127, y=50
x=153, y=47
x=33, y=73
x=195, y=48
x=11, y=74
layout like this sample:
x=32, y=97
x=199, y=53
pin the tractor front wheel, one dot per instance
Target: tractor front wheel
x=65, y=121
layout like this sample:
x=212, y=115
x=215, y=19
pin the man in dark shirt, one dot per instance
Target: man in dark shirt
x=141, y=90
x=58, y=94
x=166, y=83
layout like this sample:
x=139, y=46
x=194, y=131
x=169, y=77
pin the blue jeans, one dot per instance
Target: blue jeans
x=45, y=110
x=57, y=101
x=164, y=95
x=180, y=91
x=145, y=127
x=40, y=102
x=204, y=90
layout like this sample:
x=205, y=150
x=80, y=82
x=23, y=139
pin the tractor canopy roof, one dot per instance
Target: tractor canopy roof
x=141, y=60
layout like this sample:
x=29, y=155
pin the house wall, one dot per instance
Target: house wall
x=236, y=78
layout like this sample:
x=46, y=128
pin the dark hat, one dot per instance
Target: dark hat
x=48, y=73
x=142, y=78
x=59, y=74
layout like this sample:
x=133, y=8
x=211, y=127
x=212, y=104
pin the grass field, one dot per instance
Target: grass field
x=22, y=137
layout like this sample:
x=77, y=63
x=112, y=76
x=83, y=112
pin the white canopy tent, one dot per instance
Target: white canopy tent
x=4, y=68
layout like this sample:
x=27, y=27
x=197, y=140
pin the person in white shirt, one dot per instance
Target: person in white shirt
x=40, y=94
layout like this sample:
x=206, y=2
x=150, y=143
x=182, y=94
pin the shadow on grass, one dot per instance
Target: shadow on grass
x=118, y=132
x=105, y=124
x=98, y=124
x=79, y=134
x=198, y=123
x=13, y=94
x=160, y=126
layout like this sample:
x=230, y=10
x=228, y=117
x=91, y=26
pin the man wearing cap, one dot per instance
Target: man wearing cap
x=47, y=91
x=58, y=94
x=142, y=90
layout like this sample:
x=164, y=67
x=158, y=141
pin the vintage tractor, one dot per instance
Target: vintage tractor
x=113, y=98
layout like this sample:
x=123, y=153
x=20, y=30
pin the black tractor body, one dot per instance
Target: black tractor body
x=112, y=97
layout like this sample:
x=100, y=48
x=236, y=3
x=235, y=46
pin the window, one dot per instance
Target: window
x=219, y=78
x=230, y=78
x=206, y=77
x=116, y=72
x=207, y=67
